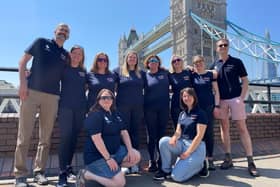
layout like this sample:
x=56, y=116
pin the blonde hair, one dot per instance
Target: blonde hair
x=94, y=67
x=172, y=70
x=124, y=68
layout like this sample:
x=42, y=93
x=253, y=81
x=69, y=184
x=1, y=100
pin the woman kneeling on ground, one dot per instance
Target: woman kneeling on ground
x=104, y=154
x=185, y=150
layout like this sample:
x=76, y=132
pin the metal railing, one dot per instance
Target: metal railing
x=261, y=98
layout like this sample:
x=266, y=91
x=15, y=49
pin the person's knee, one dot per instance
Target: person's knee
x=137, y=156
x=164, y=141
x=178, y=178
x=119, y=180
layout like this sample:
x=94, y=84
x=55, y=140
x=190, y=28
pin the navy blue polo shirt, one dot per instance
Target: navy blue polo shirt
x=73, y=88
x=129, y=89
x=110, y=127
x=49, y=61
x=229, y=74
x=202, y=83
x=189, y=122
x=156, y=89
x=178, y=81
x=97, y=82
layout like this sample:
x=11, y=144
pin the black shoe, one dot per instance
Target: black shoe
x=70, y=173
x=161, y=175
x=253, y=170
x=211, y=165
x=21, y=182
x=204, y=172
x=152, y=166
x=62, y=180
x=40, y=178
x=227, y=164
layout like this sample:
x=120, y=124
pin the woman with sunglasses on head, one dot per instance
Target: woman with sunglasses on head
x=104, y=154
x=130, y=98
x=206, y=87
x=99, y=77
x=71, y=112
x=179, y=78
x=186, y=144
x=156, y=106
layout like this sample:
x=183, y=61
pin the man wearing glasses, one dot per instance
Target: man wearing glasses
x=232, y=94
x=39, y=93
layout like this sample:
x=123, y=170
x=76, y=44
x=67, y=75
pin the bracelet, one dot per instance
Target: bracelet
x=217, y=106
x=108, y=159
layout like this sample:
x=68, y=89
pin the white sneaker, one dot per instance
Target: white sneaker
x=125, y=170
x=134, y=169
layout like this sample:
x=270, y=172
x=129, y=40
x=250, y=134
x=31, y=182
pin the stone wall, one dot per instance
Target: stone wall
x=261, y=126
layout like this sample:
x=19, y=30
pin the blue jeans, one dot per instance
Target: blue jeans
x=183, y=169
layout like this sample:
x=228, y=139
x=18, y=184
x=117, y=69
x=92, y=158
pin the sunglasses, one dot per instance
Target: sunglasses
x=153, y=60
x=176, y=60
x=223, y=45
x=106, y=97
x=102, y=60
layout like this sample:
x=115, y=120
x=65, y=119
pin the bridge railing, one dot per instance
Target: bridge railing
x=261, y=98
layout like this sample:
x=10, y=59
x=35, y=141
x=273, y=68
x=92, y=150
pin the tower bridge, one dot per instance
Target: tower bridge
x=193, y=27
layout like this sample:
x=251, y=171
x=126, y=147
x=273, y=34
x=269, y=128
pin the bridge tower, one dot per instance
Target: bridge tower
x=124, y=44
x=188, y=38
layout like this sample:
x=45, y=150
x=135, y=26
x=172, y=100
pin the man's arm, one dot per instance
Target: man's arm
x=244, y=90
x=23, y=91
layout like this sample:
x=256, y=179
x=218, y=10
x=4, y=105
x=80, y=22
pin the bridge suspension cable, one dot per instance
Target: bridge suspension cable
x=241, y=40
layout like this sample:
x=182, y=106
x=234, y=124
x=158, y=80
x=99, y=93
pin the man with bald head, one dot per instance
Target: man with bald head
x=39, y=93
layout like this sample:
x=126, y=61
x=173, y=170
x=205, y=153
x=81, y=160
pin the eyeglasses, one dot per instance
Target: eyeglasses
x=223, y=45
x=176, y=60
x=153, y=60
x=106, y=97
x=102, y=60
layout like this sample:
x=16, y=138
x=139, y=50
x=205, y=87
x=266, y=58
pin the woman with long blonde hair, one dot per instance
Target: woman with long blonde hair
x=130, y=98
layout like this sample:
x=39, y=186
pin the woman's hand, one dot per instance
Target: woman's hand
x=130, y=156
x=184, y=155
x=173, y=141
x=113, y=165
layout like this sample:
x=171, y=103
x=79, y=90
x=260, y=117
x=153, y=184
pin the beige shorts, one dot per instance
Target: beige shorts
x=234, y=107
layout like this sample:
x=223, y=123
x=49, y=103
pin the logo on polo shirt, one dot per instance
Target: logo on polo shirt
x=110, y=79
x=62, y=56
x=82, y=74
x=47, y=47
x=161, y=77
x=186, y=78
x=107, y=120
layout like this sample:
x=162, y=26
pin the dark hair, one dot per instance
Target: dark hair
x=146, y=61
x=94, y=67
x=191, y=92
x=97, y=106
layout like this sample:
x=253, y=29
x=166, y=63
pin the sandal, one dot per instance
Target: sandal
x=80, y=179
x=253, y=170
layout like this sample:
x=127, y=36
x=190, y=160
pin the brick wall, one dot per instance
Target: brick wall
x=261, y=126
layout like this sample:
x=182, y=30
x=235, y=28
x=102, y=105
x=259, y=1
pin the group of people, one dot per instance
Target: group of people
x=114, y=108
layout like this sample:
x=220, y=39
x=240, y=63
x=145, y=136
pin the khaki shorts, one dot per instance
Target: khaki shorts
x=234, y=107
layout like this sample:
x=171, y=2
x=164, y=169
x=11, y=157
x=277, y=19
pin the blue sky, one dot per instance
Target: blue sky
x=97, y=25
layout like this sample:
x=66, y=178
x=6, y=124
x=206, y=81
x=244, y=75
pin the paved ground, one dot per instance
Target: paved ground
x=268, y=162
